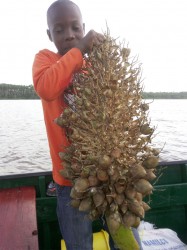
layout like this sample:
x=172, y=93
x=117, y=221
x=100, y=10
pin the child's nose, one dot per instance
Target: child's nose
x=70, y=34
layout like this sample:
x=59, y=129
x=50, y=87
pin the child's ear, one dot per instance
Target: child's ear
x=49, y=35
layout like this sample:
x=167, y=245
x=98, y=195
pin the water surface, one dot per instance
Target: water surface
x=23, y=140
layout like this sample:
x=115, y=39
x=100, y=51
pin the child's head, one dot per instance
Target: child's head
x=65, y=26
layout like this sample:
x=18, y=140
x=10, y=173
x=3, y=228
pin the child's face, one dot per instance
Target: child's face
x=65, y=27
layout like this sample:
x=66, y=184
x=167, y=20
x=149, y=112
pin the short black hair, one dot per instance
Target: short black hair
x=56, y=3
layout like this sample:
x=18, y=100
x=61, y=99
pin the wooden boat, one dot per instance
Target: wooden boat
x=168, y=207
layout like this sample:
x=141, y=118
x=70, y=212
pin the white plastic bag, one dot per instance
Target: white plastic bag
x=160, y=239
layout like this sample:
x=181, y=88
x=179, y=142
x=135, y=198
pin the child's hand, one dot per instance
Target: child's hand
x=86, y=43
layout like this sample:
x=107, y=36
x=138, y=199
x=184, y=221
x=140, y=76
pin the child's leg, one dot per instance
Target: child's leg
x=75, y=227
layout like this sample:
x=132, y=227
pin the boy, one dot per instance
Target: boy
x=52, y=74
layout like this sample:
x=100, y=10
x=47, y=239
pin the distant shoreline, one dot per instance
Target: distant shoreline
x=17, y=92
x=23, y=92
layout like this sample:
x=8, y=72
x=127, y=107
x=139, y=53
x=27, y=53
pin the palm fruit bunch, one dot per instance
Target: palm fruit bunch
x=110, y=160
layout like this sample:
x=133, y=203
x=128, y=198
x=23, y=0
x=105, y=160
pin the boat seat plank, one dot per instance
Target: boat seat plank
x=18, y=224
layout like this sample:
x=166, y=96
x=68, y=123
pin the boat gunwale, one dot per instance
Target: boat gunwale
x=49, y=172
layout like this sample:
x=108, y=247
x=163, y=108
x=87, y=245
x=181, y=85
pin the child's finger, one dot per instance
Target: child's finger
x=100, y=37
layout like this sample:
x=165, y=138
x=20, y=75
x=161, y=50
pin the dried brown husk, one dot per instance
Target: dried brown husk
x=102, y=175
x=115, y=176
x=120, y=188
x=130, y=192
x=146, y=130
x=102, y=208
x=138, y=171
x=143, y=186
x=60, y=121
x=75, y=203
x=93, y=181
x=104, y=161
x=113, y=221
x=138, y=197
x=76, y=167
x=135, y=207
x=124, y=207
x=150, y=175
x=98, y=198
x=129, y=219
x=151, y=162
x=146, y=207
x=67, y=173
x=85, y=204
x=81, y=185
x=116, y=153
x=119, y=198
x=76, y=195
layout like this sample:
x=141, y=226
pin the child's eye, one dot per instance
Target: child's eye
x=76, y=28
x=59, y=31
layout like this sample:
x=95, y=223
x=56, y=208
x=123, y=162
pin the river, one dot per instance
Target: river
x=23, y=140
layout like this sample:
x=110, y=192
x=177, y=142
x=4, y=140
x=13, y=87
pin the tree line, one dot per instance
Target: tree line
x=164, y=95
x=11, y=91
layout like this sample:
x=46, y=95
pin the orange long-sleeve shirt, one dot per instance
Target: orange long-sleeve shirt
x=52, y=74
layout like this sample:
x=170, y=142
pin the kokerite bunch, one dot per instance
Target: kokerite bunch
x=110, y=160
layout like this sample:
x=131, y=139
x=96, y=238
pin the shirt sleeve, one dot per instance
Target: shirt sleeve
x=52, y=75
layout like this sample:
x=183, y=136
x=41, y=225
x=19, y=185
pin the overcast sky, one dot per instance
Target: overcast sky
x=156, y=31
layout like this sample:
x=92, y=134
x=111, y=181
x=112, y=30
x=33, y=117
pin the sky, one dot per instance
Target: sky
x=155, y=30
